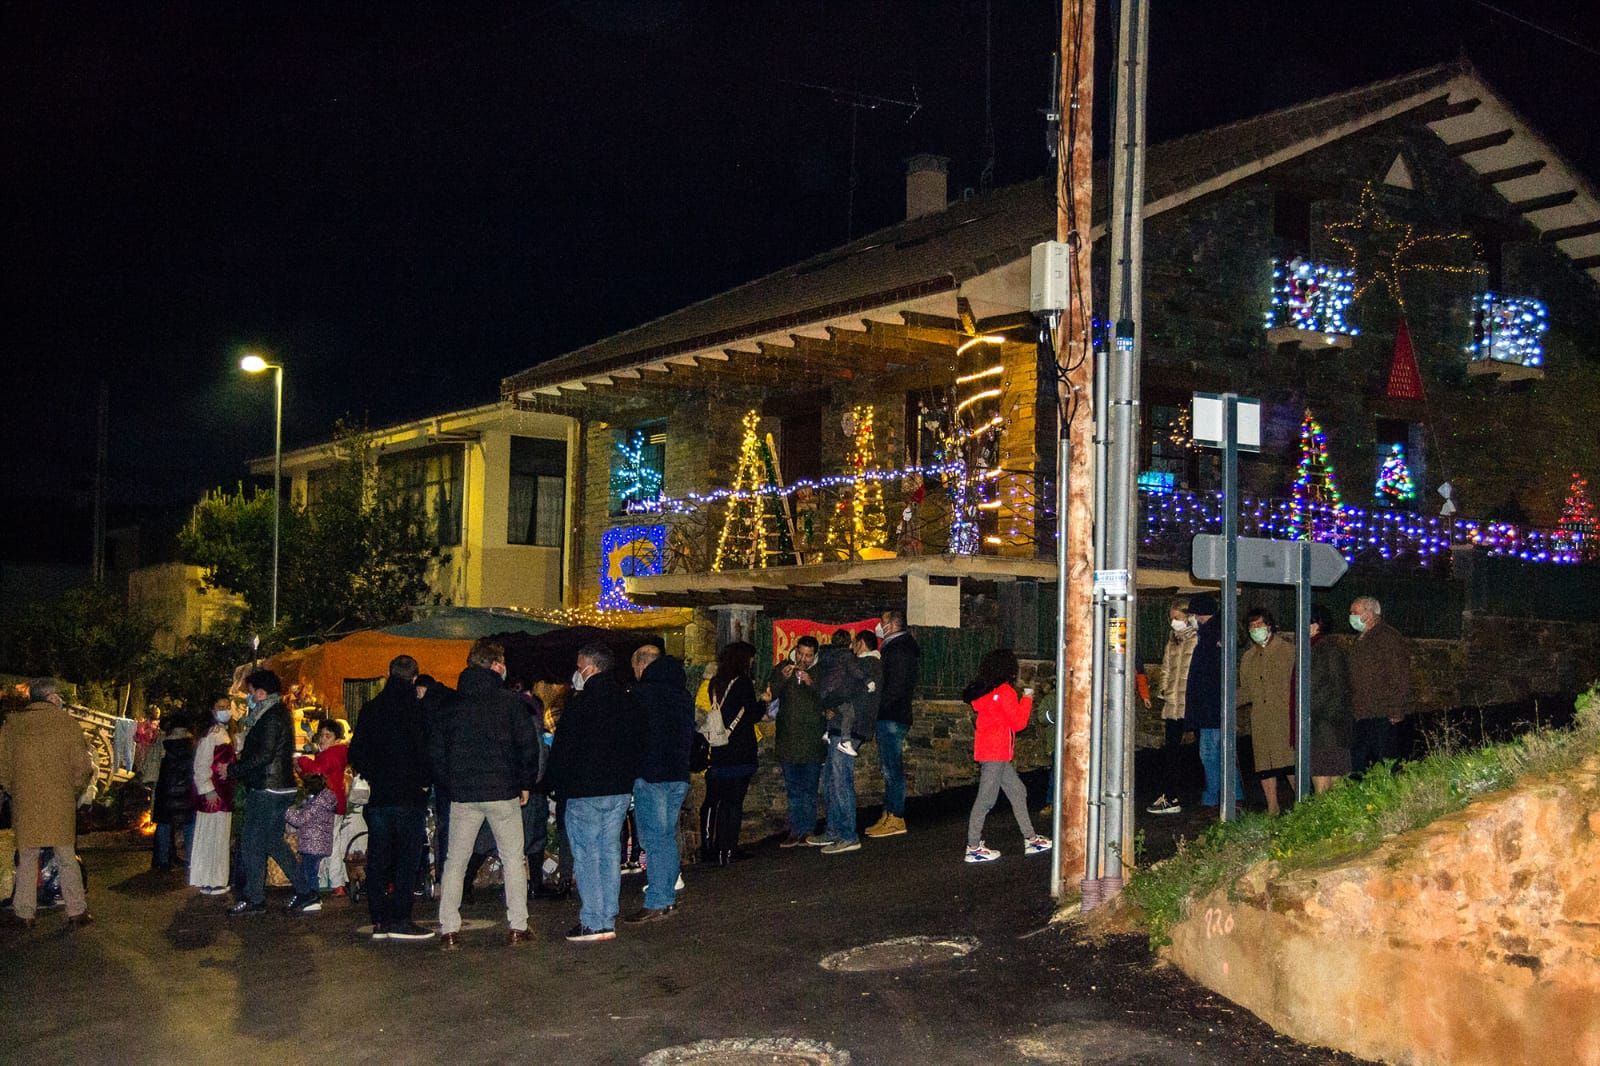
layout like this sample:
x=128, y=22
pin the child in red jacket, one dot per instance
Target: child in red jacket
x=1001, y=714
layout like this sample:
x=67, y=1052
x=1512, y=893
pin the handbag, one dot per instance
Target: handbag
x=360, y=792
x=712, y=727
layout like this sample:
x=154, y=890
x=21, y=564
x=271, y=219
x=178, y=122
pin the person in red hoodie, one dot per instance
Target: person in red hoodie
x=330, y=761
x=1001, y=714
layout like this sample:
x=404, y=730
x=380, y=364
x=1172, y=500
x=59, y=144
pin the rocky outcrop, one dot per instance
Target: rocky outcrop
x=1473, y=940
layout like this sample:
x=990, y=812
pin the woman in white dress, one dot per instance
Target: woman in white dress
x=208, y=865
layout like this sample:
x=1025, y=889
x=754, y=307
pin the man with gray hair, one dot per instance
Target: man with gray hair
x=44, y=767
x=1380, y=684
x=592, y=767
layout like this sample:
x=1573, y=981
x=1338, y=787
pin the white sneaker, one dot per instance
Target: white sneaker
x=679, y=886
x=982, y=854
x=848, y=747
x=1036, y=844
x=1163, y=805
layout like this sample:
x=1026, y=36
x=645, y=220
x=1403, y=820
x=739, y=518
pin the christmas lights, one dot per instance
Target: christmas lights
x=1395, y=485
x=1311, y=297
x=628, y=551
x=1316, y=492
x=1508, y=329
x=1578, y=529
x=867, y=522
x=747, y=529
x=1380, y=249
x=633, y=477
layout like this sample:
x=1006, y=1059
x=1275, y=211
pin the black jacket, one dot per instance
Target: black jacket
x=667, y=727
x=902, y=663
x=1332, y=725
x=741, y=710
x=174, y=803
x=596, y=746
x=390, y=748
x=1202, y=698
x=484, y=747
x=267, y=760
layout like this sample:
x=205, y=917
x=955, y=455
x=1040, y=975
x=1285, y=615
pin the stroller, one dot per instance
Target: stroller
x=355, y=861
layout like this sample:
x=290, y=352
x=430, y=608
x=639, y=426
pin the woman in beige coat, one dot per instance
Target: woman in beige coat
x=1266, y=673
x=1174, y=683
x=45, y=767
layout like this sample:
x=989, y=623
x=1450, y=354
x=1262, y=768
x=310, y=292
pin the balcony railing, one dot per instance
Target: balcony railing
x=1309, y=302
x=1508, y=330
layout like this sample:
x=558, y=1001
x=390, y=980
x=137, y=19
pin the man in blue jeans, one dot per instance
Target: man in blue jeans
x=1202, y=704
x=266, y=770
x=592, y=767
x=902, y=663
x=666, y=737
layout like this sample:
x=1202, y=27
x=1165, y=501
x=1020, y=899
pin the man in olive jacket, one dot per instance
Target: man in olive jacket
x=799, y=744
x=44, y=767
x=1380, y=684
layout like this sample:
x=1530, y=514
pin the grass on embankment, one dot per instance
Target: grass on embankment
x=1354, y=815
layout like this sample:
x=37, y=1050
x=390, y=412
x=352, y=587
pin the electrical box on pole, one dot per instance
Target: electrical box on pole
x=1050, y=287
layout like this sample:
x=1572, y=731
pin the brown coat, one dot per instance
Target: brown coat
x=1265, y=675
x=1380, y=673
x=44, y=766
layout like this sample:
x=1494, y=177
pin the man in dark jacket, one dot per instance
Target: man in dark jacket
x=266, y=770
x=665, y=720
x=484, y=753
x=902, y=664
x=800, y=744
x=1380, y=684
x=592, y=767
x=390, y=751
x=1202, y=703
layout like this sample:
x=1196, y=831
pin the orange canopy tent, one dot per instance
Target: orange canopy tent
x=322, y=670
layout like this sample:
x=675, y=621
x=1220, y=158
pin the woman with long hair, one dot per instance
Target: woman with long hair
x=1001, y=714
x=208, y=865
x=733, y=693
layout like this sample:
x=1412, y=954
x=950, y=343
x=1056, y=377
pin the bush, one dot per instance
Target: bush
x=1354, y=815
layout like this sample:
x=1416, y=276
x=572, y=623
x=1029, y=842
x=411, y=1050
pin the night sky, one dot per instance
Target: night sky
x=406, y=207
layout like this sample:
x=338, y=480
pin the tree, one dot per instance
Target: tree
x=87, y=635
x=357, y=556
x=202, y=669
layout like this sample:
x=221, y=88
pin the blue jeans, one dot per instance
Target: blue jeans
x=260, y=838
x=800, y=780
x=839, y=782
x=396, y=837
x=163, y=857
x=656, y=807
x=891, y=741
x=1211, y=762
x=309, y=867
x=594, y=828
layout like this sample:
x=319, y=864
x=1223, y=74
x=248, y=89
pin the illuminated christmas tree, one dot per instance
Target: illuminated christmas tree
x=1318, y=508
x=1579, y=527
x=747, y=529
x=1395, y=485
x=869, y=526
x=633, y=477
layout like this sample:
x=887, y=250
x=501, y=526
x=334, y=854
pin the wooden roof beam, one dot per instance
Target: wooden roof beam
x=1544, y=203
x=1582, y=229
x=1478, y=144
x=1521, y=170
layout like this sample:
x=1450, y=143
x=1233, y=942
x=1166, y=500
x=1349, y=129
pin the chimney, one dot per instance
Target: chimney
x=926, y=184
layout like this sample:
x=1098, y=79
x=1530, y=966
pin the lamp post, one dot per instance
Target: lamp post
x=254, y=364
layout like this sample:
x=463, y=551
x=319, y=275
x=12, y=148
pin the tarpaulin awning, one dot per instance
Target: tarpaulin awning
x=322, y=670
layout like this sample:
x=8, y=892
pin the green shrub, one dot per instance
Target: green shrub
x=1354, y=815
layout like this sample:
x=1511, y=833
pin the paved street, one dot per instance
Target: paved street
x=164, y=976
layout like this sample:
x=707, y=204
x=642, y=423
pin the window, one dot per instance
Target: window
x=431, y=477
x=638, y=465
x=1291, y=223
x=1173, y=453
x=537, y=500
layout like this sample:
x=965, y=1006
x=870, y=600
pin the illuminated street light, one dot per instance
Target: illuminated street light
x=255, y=364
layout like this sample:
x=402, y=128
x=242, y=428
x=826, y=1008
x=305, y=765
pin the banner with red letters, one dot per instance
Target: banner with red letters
x=786, y=631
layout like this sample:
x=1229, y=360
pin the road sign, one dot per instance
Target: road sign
x=1206, y=419
x=1266, y=562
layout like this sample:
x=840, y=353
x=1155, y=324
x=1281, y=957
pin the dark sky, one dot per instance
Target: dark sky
x=407, y=206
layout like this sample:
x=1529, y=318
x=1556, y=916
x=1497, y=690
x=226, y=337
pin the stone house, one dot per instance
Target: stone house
x=875, y=426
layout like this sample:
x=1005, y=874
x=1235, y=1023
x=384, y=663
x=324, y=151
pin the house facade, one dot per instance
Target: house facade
x=497, y=484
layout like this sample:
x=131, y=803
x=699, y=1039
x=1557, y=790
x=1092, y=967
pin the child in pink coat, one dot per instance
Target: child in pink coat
x=1001, y=714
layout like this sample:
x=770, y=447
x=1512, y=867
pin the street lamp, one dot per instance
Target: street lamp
x=254, y=364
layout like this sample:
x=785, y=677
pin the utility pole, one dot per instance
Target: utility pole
x=1116, y=584
x=1074, y=354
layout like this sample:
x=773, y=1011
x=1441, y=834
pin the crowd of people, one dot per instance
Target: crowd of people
x=1360, y=693
x=440, y=778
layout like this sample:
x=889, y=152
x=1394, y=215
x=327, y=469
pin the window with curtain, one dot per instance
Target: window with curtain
x=536, y=507
x=433, y=478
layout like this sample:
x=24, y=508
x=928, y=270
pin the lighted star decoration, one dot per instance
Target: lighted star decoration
x=1380, y=249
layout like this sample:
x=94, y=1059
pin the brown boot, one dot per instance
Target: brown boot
x=518, y=937
x=890, y=826
x=449, y=941
x=78, y=921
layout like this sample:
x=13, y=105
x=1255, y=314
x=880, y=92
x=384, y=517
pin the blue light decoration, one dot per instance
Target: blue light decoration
x=629, y=551
x=1395, y=485
x=1311, y=297
x=1508, y=329
x=1157, y=481
x=632, y=477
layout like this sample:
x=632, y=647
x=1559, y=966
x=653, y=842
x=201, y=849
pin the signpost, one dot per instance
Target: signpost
x=1304, y=564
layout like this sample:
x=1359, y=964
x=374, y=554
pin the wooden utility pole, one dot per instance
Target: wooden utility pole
x=1075, y=355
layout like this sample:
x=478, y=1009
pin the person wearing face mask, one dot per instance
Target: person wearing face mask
x=1380, y=684
x=593, y=764
x=1174, y=683
x=1266, y=672
x=484, y=753
x=213, y=820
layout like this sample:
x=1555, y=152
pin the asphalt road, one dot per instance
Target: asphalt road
x=165, y=976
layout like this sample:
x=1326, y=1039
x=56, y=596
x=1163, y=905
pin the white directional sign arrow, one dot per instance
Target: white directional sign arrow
x=1267, y=562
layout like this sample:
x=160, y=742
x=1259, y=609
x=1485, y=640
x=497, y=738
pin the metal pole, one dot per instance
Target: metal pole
x=1302, y=675
x=1230, y=599
x=1063, y=465
x=277, y=480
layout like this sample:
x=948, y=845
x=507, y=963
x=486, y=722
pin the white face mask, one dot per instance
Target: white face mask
x=878, y=629
x=1180, y=625
x=578, y=679
x=222, y=715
